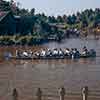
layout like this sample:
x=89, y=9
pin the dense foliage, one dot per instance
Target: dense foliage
x=85, y=17
x=44, y=26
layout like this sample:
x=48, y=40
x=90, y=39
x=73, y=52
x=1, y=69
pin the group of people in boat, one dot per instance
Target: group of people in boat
x=57, y=53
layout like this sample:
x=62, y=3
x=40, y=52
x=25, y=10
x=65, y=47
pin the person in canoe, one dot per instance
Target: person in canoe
x=74, y=53
x=43, y=53
x=85, y=52
x=55, y=52
x=67, y=52
x=48, y=53
x=60, y=52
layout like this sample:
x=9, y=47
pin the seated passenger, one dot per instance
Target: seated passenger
x=48, y=53
x=43, y=53
x=60, y=52
x=30, y=53
x=84, y=51
x=74, y=50
x=37, y=54
x=67, y=52
x=18, y=53
x=76, y=53
x=55, y=52
x=72, y=53
x=25, y=54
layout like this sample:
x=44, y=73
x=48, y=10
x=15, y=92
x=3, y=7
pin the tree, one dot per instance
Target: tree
x=23, y=12
x=52, y=19
x=73, y=19
x=13, y=7
x=64, y=18
x=5, y=6
x=32, y=12
x=84, y=23
x=59, y=19
x=69, y=21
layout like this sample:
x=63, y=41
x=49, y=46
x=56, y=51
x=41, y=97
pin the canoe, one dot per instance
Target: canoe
x=91, y=53
x=48, y=58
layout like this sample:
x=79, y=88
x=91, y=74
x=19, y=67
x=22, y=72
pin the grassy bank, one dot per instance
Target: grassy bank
x=21, y=40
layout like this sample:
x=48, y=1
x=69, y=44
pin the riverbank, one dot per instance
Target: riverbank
x=35, y=40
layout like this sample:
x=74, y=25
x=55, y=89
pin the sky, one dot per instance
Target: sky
x=58, y=7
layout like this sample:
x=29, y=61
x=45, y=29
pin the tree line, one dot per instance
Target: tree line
x=40, y=25
x=88, y=17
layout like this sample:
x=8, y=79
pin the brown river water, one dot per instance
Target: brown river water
x=49, y=75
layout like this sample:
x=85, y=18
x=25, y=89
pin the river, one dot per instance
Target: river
x=49, y=75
